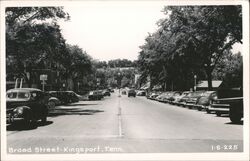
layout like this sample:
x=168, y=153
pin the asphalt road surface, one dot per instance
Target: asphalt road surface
x=126, y=125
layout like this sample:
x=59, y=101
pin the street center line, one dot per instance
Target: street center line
x=120, y=118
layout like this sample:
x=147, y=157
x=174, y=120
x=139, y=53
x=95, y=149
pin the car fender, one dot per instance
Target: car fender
x=26, y=110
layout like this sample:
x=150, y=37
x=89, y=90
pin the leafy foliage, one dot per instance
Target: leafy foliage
x=189, y=41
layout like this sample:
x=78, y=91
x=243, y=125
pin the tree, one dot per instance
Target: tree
x=190, y=41
x=33, y=39
x=230, y=70
x=76, y=65
x=204, y=32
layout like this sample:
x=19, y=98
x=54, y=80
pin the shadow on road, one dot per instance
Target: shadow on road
x=82, y=104
x=20, y=126
x=231, y=123
x=73, y=111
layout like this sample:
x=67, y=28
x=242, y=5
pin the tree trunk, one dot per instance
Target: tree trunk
x=70, y=84
x=209, y=78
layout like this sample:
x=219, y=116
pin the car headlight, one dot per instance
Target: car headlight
x=19, y=111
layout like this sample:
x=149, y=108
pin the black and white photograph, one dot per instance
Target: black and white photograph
x=124, y=80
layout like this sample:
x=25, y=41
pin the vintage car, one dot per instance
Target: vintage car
x=106, y=93
x=193, y=97
x=203, y=102
x=65, y=97
x=178, y=98
x=95, y=95
x=229, y=101
x=131, y=92
x=26, y=104
x=141, y=93
x=53, y=101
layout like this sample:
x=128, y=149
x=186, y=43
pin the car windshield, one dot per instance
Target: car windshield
x=195, y=94
x=12, y=95
x=207, y=94
x=23, y=95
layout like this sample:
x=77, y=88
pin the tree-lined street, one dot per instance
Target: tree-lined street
x=124, y=125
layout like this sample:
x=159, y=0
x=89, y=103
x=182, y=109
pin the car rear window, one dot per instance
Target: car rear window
x=23, y=95
x=12, y=95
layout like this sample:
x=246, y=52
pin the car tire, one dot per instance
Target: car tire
x=199, y=108
x=28, y=119
x=51, y=104
x=234, y=116
x=44, y=119
x=208, y=111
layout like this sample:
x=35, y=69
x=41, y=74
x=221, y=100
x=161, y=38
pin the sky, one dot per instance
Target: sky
x=112, y=30
x=109, y=30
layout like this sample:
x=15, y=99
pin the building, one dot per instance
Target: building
x=203, y=84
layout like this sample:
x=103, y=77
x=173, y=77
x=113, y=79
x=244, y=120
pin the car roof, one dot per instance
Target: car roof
x=23, y=89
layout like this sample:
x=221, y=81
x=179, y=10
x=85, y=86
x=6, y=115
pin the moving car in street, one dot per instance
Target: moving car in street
x=95, y=95
x=131, y=92
x=26, y=104
x=124, y=92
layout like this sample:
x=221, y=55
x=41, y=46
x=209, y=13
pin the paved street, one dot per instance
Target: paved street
x=126, y=125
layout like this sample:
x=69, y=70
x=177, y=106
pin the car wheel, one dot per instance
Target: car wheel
x=199, y=108
x=28, y=119
x=234, y=116
x=208, y=111
x=44, y=119
x=51, y=104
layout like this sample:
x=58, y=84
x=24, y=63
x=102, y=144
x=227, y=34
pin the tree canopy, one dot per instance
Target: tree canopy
x=190, y=41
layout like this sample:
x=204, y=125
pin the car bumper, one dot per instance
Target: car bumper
x=10, y=118
x=219, y=108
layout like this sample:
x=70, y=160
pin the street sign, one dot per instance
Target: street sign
x=43, y=77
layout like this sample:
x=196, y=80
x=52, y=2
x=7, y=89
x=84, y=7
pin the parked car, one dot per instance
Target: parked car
x=193, y=97
x=153, y=96
x=53, y=101
x=26, y=104
x=229, y=101
x=167, y=96
x=95, y=95
x=141, y=93
x=124, y=92
x=106, y=93
x=65, y=97
x=73, y=97
x=174, y=96
x=178, y=100
x=161, y=96
x=184, y=99
x=204, y=101
x=131, y=92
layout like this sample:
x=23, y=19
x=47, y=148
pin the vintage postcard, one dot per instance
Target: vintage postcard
x=125, y=80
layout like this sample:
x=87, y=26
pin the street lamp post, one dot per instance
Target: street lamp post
x=195, y=77
x=78, y=85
